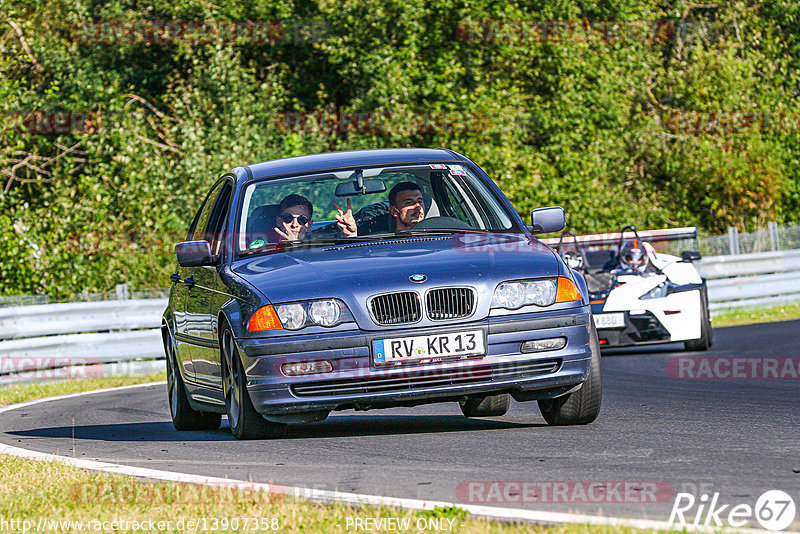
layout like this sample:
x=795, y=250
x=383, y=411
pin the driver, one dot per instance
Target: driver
x=406, y=205
x=632, y=256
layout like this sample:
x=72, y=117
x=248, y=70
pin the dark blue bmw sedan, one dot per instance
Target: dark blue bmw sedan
x=372, y=279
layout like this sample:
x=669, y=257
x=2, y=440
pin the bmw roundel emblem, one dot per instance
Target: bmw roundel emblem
x=418, y=278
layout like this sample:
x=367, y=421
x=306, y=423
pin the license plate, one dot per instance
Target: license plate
x=428, y=348
x=609, y=320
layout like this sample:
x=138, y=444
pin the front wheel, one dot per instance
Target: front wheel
x=579, y=407
x=244, y=420
x=490, y=406
x=706, y=332
x=183, y=416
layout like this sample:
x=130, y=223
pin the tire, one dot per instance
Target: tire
x=490, y=406
x=706, y=332
x=183, y=416
x=244, y=420
x=579, y=407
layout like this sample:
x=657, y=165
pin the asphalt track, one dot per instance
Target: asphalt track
x=738, y=437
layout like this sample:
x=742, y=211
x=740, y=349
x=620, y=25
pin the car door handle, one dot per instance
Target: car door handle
x=189, y=281
x=175, y=278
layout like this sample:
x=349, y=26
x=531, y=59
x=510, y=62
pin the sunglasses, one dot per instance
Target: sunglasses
x=288, y=217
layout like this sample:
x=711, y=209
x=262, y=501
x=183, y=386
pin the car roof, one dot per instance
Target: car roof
x=333, y=160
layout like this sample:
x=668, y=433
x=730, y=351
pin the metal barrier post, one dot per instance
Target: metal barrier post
x=772, y=226
x=122, y=292
x=733, y=239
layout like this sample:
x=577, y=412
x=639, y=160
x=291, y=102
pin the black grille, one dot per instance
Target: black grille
x=449, y=303
x=396, y=308
x=428, y=378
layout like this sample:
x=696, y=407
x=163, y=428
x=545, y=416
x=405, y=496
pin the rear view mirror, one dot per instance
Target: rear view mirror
x=547, y=220
x=194, y=254
x=690, y=255
x=349, y=189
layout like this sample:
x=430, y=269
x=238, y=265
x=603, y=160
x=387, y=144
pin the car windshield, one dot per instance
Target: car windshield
x=430, y=198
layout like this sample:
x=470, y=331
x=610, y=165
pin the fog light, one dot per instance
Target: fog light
x=306, y=368
x=539, y=345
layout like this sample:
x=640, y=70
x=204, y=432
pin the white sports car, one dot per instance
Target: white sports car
x=639, y=296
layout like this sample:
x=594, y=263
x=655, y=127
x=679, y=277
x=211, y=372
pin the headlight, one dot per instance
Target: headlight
x=661, y=290
x=327, y=312
x=513, y=295
x=293, y=316
x=540, y=292
x=509, y=295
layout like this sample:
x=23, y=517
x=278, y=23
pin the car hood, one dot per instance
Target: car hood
x=356, y=271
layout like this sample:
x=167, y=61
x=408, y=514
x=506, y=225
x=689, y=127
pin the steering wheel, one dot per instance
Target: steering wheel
x=579, y=263
x=442, y=223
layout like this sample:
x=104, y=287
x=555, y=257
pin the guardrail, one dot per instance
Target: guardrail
x=752, y=280
x=52, y=336
x=90, y=334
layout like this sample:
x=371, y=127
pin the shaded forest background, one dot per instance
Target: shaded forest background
x=653, y=113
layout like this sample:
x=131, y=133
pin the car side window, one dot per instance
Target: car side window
x=215, y=231
x=201, y=221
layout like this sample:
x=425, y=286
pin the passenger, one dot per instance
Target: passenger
x=294, y=218
x=406, y=205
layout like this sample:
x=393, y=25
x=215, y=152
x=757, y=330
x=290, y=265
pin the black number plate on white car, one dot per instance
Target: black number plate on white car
x=434, y=347
x=609, y=320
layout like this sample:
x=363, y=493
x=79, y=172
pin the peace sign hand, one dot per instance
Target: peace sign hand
x=347, y=223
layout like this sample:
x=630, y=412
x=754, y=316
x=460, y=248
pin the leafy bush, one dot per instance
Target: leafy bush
x=620, y=126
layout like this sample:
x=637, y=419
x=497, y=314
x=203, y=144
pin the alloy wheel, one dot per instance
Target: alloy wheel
x=233, y=394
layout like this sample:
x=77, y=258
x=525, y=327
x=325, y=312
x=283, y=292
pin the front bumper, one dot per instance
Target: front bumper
x=640, y=329
x=355, y=382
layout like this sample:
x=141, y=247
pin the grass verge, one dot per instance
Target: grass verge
x=785, y=312
x=82, y=501
x=52, y=497
x=13, y=394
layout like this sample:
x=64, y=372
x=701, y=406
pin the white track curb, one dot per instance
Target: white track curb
x=326, y=496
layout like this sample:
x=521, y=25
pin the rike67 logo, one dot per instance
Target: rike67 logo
x=773, y=510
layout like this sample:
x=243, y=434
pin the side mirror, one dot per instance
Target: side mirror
x=194, y=254
x=690, y=256
x=547, y=220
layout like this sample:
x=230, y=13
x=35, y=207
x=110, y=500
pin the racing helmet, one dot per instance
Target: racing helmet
x=633, y=256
